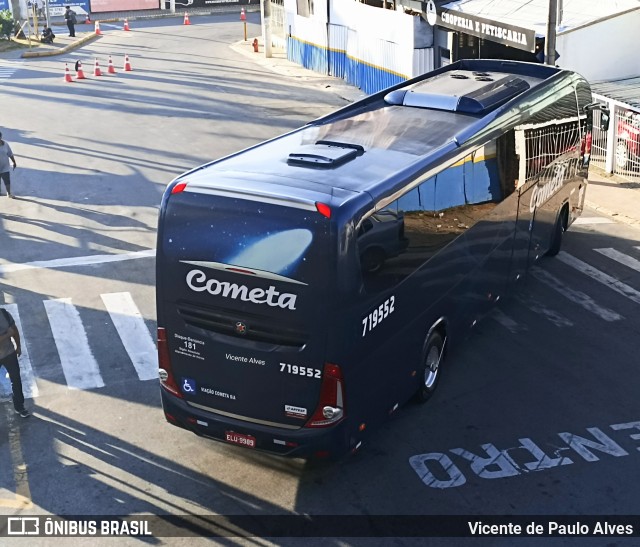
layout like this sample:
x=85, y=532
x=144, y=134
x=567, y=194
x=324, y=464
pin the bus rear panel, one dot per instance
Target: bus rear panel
x=243, y=314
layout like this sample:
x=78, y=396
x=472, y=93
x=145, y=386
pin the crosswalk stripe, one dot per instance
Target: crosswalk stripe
x=620, y=257
x=76, y=261
x=601, y=277
x=535, y=306
x=78, y=363
x=29, y=385
x=133, y=332
x=575, y=296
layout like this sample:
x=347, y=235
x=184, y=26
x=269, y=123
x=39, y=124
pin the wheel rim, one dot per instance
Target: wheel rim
x=432, y=366
x=621, y=155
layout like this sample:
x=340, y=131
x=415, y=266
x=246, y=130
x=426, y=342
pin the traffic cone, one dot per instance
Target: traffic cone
x=96, y=70
x=87, y=21
x=97, y=29
x=126, y=25
x=67, y=74
x=186, y=19
x=111, y=69
x=79, y=72
x=127, y=64
x=243, y=15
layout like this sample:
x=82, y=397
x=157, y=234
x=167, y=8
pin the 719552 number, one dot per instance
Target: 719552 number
x=376, y=317
x=301, y=371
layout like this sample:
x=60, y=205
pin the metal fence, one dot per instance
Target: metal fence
x=618, y=149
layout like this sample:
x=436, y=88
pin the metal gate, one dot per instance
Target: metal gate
x=278, y=35
x=618, y=149
x=627, y=143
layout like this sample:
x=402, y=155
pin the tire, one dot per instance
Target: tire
x=622, y=155
x=558, y=232
x=431, y=366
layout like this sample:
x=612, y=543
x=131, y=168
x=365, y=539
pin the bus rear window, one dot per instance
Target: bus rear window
x=284, y=241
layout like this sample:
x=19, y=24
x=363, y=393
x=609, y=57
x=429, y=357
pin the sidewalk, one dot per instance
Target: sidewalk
x=614, y=197
x=609, y=195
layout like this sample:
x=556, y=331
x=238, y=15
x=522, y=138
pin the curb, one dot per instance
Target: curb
x=62, y=50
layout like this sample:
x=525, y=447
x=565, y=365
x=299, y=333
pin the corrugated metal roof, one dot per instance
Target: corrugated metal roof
x=533, y=14
x=626, y=91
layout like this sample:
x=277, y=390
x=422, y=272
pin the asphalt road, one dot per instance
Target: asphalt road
x=537, y=413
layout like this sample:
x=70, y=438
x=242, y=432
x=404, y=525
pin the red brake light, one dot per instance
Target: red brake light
x=164, y=362
x=178, y=187
x=330, y=408
x=323, y=209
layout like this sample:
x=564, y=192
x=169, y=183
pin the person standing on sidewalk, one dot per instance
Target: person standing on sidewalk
x=6, y=154
x=9, y=359
x=70, y=18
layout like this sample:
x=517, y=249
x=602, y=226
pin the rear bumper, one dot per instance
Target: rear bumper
x=330, y=442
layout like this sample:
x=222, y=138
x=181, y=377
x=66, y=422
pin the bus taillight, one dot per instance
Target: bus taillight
x=179, y=188
x=164, y=362
x=330, y=409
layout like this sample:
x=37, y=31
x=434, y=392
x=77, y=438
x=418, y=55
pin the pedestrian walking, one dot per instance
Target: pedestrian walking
x=6, y=154
x=9, y=359
x=70, y=18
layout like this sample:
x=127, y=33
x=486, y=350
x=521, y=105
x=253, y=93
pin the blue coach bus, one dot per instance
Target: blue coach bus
x=311, y=284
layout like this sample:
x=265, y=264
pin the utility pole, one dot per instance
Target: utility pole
x=550, y=41
x=266, y=22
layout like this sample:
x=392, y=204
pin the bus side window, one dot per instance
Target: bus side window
x=397, y=241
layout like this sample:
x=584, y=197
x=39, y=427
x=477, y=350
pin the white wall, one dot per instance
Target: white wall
x=374, y=23
x=607, y=50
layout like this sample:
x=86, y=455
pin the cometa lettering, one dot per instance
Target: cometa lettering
x=197, y=281
x=540, y=194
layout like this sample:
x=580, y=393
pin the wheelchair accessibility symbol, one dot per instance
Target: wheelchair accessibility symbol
x=188, y=385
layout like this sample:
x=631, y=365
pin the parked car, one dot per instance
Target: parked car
x=381, y=236
x=628, y=145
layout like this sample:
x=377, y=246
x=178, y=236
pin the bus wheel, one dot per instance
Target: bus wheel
x=558, y=231
x=432, y=358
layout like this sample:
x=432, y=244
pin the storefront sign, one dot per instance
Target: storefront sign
x=99, y=6
x=507, y=34
x=181, y=4
x=56, y=7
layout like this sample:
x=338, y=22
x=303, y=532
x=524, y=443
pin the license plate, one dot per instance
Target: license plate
x=239, y=438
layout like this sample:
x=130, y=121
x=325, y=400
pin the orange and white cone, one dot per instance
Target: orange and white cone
x=96, y=70
x=97, y=28
x=186, y=19
x=126, y=25
x=127, y=64
x=67, y=74
x=80, y=73
x=110, y=68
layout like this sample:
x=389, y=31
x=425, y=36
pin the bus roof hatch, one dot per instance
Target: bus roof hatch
x=325, y=154
x=464, y=91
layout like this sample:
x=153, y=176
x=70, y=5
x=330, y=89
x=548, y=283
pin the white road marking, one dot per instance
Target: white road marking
x=7, y=70
x=133, y=332
x=593, y=220
x=29, y=385
x=601, y=277
x=506, y=321
x=76, y=261
x=535, y=306
x=620, y=257
x=78, y=363
x=575, y=296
